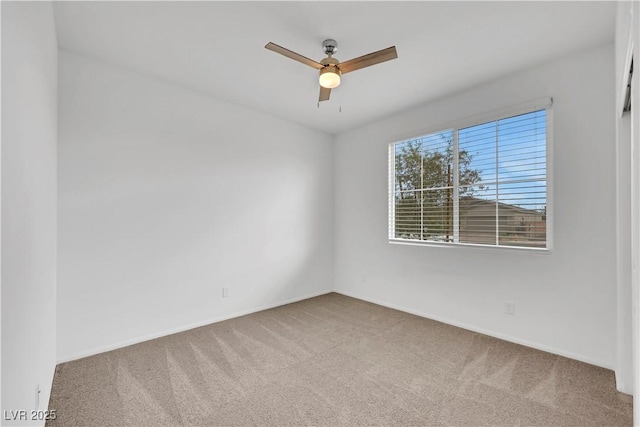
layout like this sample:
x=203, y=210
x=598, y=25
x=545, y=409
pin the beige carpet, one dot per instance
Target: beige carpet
x=333, y=360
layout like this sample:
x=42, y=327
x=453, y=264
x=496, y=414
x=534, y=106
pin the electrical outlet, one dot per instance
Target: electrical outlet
x=510, y=307
x=225, y=292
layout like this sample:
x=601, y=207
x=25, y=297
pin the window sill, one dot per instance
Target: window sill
x=537, y=251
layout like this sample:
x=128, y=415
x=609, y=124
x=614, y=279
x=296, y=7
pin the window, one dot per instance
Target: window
x=484, y=184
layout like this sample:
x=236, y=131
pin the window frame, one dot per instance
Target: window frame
x=524, y=108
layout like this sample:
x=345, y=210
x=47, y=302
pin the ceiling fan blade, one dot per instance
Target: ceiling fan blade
x=324, y=94
x=368, y=60
x=291, y=54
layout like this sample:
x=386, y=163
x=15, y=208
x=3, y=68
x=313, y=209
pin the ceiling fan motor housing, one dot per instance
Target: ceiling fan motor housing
x=329, y=61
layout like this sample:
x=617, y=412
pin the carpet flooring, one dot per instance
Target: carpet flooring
x=333, y=360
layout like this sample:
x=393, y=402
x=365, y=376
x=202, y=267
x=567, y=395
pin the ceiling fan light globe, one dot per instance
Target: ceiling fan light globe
x=329, y=77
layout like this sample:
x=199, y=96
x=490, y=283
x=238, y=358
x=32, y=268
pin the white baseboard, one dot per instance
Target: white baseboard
x=137, y=340
x=622, y=386
x=473, y=328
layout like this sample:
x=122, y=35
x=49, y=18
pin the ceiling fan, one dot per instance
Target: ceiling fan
x=330, y=68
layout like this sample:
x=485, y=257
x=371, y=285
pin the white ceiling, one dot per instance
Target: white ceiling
x=443, y=47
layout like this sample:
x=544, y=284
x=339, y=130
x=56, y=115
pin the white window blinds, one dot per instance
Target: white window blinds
x=484, y=184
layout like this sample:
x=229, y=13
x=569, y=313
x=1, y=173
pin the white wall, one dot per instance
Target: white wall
x=167, y=195
x=29, y=120
x=565, y=301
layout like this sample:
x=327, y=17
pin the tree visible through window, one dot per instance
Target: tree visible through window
x=484, y=184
